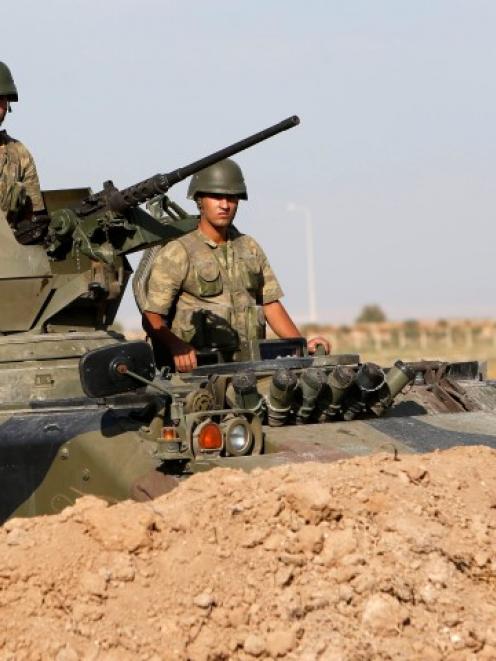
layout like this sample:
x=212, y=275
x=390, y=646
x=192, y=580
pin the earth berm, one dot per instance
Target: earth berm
x=369, y=558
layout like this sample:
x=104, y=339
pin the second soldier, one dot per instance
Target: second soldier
x=214, y=287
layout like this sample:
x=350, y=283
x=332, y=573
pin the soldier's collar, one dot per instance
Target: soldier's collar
x=231, y=234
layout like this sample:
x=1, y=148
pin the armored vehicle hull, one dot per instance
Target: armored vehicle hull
x=57, y=446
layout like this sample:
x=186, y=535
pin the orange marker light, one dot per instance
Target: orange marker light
x=210, y=437
x=169, y=434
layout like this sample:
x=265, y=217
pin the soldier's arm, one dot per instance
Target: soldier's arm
x=276, y=314
x=183, y=354
x=166, y=277
x=270, y=292
x=283, y=326
x=279, y=320
x=30, y=179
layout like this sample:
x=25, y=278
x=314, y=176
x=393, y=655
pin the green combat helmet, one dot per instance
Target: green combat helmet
x=224, y=177
x=7, y=85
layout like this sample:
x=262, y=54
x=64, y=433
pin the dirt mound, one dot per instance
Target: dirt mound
x=367, y=558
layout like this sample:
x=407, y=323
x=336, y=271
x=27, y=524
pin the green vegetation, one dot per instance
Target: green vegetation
x=371, y=313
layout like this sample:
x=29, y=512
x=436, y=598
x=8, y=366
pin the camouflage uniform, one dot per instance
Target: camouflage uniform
x=211, y=293
x=17, y=167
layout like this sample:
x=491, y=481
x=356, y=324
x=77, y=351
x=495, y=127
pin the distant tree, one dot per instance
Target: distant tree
x=371, y=313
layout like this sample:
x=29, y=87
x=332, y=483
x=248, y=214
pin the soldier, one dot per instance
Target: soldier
x=214, y=287
x=20, y=193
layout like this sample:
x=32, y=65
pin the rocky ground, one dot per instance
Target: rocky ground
x=372, y=558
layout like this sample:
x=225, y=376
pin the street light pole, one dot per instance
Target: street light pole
x=311, y=292
x=312, y=296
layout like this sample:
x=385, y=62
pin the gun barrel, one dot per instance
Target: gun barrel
x=183, y=173
x=119, y=201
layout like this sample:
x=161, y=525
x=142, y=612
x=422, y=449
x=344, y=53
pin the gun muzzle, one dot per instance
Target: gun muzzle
x=281, y=396
x=311, y=383
x=243, y=393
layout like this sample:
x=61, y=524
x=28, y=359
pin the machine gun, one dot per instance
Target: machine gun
x=71, y=265
x=121, y=201
x=110, y=222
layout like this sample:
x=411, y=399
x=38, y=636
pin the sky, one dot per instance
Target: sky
x=394, y=159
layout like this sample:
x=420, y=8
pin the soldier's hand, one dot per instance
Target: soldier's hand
x=314, y=342
x=184, y=356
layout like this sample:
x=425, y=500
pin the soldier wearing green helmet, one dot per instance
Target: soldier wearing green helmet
x=20, y=193
x=221, y=178
x=214, y=287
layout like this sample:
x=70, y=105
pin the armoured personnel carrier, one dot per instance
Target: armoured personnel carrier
x=83, y=411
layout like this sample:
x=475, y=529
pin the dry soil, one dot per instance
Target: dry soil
x=371, y=558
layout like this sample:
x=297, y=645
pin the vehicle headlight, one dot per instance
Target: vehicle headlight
x=238, y=437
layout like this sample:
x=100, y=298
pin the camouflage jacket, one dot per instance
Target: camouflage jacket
x=211, y=294
x=17, y=167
